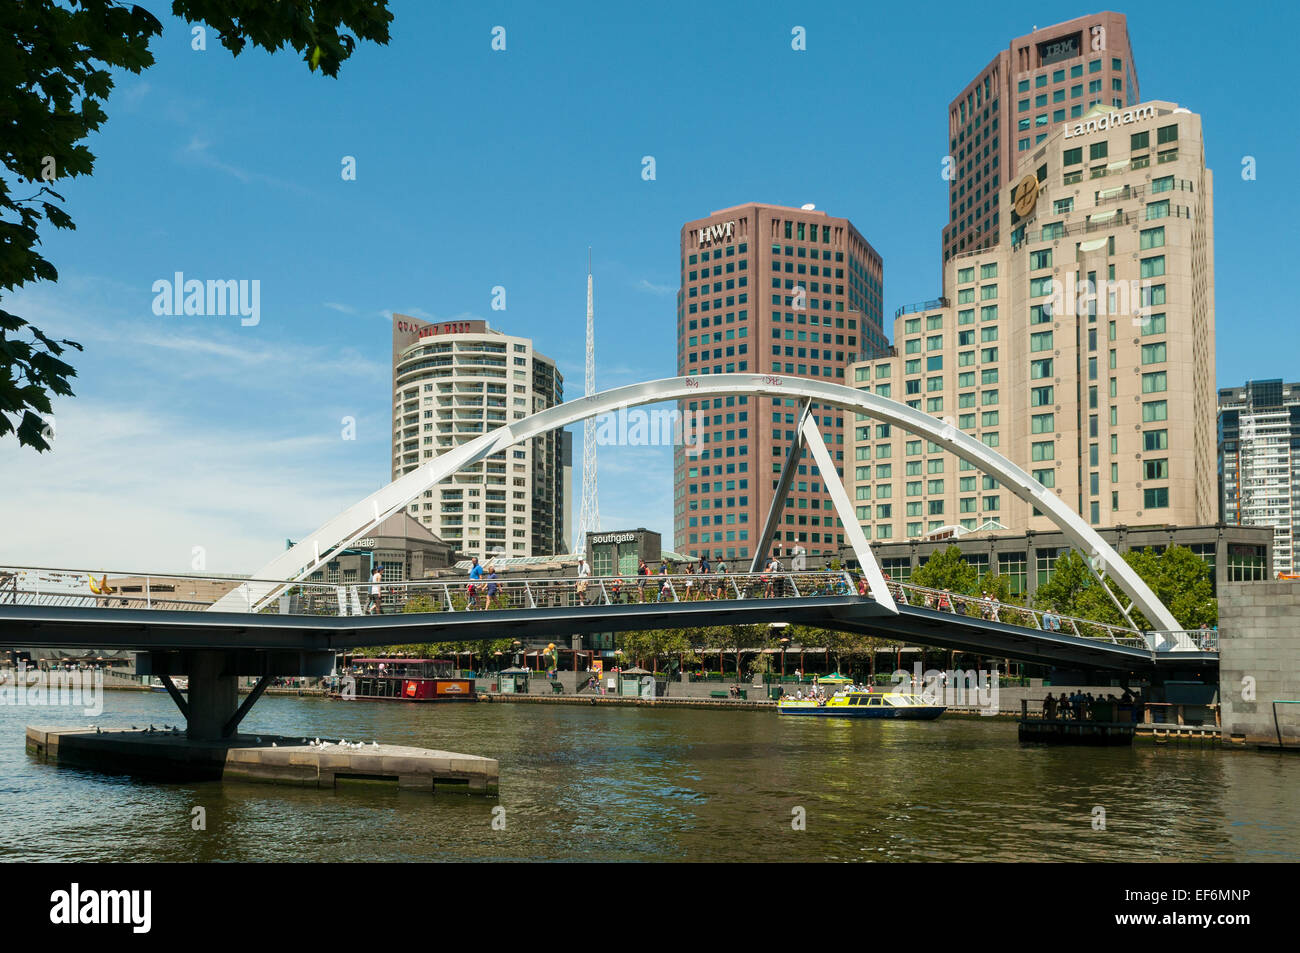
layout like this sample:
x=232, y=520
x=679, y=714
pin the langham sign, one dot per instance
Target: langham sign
x=1109, y=121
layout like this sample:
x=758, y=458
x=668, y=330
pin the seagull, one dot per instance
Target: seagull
x=259, y=741
x=316, y=742
x=374, y=744
x=274, y=745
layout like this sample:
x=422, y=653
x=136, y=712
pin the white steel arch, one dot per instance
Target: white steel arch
x=360, y=518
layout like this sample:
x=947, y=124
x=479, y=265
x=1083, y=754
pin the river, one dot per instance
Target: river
x=625, y=783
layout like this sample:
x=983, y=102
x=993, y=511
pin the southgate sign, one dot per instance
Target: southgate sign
x=1109, y=121
x=613, y=538
x=716, y=233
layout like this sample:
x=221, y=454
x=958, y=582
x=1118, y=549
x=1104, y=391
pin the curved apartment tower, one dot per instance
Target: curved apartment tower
x=455, y=380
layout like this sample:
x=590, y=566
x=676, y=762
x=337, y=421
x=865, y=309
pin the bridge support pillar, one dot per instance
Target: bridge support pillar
x=213, y=696
x=212, y=711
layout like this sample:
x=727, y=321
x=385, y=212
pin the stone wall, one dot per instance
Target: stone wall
x=1259, y=661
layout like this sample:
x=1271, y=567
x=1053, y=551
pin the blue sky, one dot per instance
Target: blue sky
x=478, y=168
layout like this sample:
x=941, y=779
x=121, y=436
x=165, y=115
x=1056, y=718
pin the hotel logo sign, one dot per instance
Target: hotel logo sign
x=1109, y=121
x=716, y=233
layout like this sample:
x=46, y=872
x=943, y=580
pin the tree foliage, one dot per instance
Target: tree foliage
x=947, y=569
x=1179, y=578
x=56, y=60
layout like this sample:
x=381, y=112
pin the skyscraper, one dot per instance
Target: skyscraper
x=766, y=289
x=1259, y=461
x=1082, y=348
x=1042, y=79
x=453, y=381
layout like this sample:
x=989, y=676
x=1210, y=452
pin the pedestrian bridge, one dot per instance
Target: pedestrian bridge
x=161, y=614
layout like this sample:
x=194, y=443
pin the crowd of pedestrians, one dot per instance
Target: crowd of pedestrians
x=1079, y=706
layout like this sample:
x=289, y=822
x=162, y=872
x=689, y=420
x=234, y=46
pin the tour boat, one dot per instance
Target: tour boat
x=403, y=679
x=863, y=705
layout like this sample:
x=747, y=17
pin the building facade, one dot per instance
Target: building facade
x=1082, y=349
x=772, y=290
x=1259, y=462
x=456, y=380
x=1234, y=553
x=1041, y=80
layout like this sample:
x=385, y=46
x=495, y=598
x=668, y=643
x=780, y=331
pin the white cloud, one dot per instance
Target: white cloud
x=654, y=289
x=127, y=488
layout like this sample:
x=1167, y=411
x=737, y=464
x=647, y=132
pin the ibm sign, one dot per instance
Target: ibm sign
x=1064, y=48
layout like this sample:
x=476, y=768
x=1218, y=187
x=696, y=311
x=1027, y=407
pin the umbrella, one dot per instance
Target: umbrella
x=836, y=678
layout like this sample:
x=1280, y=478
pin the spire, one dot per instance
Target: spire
x=589, y=515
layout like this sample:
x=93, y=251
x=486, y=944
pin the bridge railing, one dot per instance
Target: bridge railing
x=99, y=589
x=64, y=587
x=944, y=601
x=43, y=586
x=570, y=592
x=1185, y=640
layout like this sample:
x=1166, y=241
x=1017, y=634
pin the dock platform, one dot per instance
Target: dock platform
x=1069, y=731
x=266, y=758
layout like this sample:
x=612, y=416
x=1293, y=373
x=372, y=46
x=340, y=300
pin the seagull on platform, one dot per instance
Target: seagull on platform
x=374, y=744
x=274, y=745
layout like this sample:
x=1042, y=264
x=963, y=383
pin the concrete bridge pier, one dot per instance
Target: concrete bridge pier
x=212, y=710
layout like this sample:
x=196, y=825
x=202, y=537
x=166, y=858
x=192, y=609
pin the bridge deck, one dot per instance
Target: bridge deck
x=158, y=629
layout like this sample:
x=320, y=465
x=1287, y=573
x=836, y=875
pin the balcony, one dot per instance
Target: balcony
x=930, y=305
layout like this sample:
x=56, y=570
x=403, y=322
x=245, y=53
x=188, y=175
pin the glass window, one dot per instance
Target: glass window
x=1155, y=498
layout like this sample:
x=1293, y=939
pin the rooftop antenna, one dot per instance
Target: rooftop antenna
x=589, y=515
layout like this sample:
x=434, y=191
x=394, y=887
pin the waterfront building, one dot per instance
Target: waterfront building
x=1259, y=462
x=1082, y=349
x=455, y=380
x=766, y=289
x=1233, y=553
x=1042, y=80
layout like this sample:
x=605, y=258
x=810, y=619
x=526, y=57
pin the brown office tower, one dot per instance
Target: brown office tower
x=771, y=290
x=1042, y=80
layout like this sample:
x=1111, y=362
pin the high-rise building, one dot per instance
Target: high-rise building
x=1043, y=79
x=766, y=289
x=1082, y=348
x=453, y=381
x=1259, y=462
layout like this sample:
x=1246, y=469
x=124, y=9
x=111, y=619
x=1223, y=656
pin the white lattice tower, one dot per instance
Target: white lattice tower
x=589, y=515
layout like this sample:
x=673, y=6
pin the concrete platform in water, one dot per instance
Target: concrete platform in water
x=267, y=758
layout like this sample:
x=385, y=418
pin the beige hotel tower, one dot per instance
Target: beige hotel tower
x=1081, y=346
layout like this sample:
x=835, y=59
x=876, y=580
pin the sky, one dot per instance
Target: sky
x=202, y=442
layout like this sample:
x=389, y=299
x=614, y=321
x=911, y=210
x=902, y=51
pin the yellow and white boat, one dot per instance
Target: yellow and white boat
x=863, y=705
